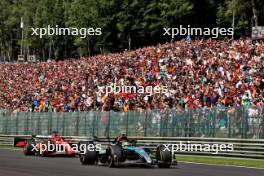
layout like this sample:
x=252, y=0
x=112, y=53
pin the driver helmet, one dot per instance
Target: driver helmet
x=122, y=133
x=126, y=144
x=54, y=133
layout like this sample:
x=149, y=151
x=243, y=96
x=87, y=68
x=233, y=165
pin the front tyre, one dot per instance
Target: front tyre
x=115, y=155
x=164, y=157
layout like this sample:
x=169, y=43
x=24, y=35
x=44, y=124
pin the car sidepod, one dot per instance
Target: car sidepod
x=143, y=155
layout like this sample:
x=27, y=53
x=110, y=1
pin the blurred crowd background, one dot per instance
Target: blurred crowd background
x=198, y=74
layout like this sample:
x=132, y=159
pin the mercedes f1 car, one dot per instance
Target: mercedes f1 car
x=127, y=153
x=48, y=145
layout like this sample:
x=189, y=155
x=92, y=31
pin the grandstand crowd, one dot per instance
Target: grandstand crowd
x=199, y=73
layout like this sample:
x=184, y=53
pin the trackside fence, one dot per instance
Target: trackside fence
x=217, y=122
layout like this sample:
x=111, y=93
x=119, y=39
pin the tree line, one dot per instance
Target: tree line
x=125, y=23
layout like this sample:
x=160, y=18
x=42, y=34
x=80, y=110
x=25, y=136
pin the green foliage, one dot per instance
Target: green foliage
x=141, y=21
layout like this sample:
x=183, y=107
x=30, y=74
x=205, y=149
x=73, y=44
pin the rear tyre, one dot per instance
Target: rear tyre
x=89, y=157
x=115, y=155
x=29, y=147
x=164, y=157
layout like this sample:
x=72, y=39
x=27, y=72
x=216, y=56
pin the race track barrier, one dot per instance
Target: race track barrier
x=215, y=122
x=243, y=148
x=6, y=141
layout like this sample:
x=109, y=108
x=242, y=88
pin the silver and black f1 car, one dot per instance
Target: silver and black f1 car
x=126, y=153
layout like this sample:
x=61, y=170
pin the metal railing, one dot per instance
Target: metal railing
x=239, y=122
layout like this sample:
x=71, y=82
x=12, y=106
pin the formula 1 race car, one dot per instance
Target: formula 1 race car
x=48, y=145
x=127, y=153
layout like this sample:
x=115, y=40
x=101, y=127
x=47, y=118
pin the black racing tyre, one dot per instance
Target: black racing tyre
x=81, y=145
x=115, y=155
x=81, y=149
x=164, y=157
x=89, y=157
x=44, y=153
x=29, y=147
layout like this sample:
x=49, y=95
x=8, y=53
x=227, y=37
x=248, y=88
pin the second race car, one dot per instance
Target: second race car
x=127, y=153
x=46, y=146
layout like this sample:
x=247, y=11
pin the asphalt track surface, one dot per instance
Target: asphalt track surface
x=14, y=163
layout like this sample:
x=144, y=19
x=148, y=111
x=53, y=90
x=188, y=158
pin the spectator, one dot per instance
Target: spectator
x=199, y=73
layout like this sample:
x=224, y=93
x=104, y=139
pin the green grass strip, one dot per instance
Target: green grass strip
x=10, y=147
x=258, y=163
